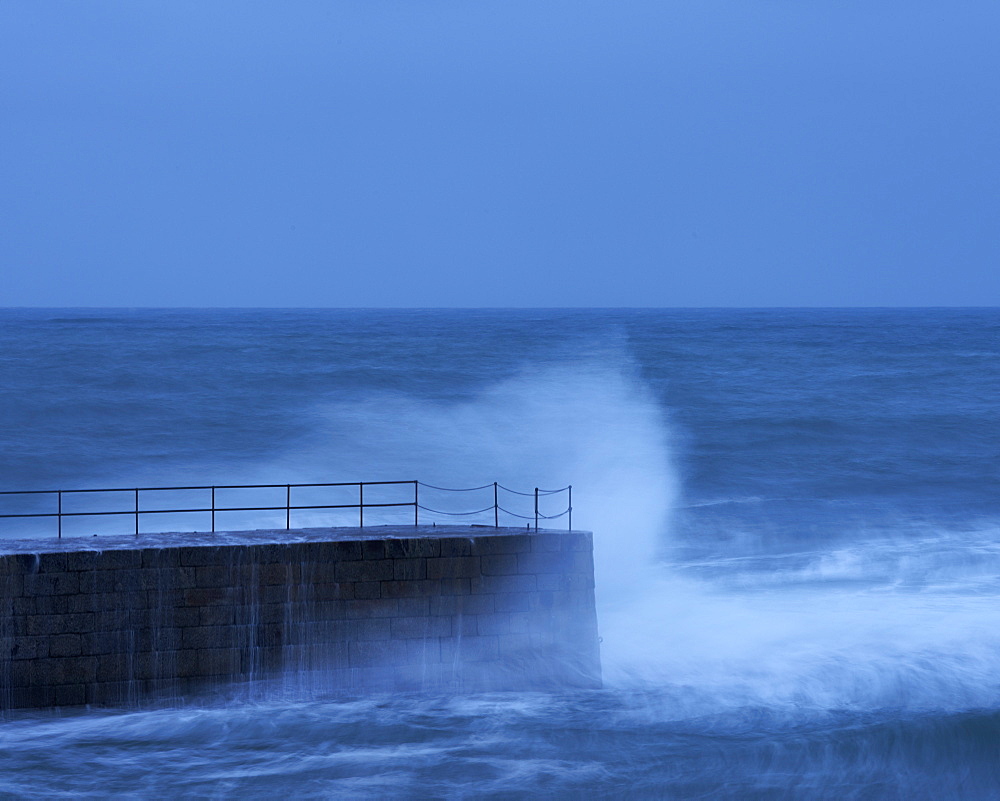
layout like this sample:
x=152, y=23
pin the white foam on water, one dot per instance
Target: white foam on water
x=847, y=627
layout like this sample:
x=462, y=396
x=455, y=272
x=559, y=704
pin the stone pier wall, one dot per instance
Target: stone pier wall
x=161, y=617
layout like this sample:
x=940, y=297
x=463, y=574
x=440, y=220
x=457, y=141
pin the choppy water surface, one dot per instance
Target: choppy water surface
x=796, y=517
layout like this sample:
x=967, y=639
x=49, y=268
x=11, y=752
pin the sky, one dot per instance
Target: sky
x=499, y=153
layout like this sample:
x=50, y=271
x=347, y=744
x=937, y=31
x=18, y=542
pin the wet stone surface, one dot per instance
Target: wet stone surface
x=117, y=620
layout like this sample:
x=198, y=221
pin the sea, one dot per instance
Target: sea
x=796, y=517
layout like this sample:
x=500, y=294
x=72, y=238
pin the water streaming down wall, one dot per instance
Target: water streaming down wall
x=161, y=617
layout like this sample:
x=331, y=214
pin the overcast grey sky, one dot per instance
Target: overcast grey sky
x=500, y=153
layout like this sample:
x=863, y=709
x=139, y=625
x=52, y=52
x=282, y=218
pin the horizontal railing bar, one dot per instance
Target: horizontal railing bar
x=349, y=484
x=206, y=487
x=77, y=514
x=217, y=509
x=293, y=486
x=113, y=489
x=366, y=505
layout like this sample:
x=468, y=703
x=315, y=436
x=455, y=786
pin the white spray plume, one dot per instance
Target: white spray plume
x=589, y=423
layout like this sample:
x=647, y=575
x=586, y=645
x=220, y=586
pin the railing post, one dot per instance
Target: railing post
x=496, y=507
x=536, y=508
x=59, y=510
x=569, y=508
x=137, y=512
x=416, y=504
x=288, y=506
x=361, y=505
x=213, y=510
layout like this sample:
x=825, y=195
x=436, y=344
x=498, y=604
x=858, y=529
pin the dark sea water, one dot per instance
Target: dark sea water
x=796, y=518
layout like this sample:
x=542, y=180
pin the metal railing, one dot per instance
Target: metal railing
x=136, y=511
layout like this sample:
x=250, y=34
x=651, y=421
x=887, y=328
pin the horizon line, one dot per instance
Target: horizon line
x=490, y=308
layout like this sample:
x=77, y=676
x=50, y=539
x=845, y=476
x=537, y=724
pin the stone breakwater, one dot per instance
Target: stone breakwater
x=162, y=617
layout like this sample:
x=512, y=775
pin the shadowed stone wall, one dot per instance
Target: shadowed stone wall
x=162, y=617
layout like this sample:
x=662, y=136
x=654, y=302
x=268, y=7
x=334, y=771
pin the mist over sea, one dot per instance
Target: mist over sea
x=797, y=535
